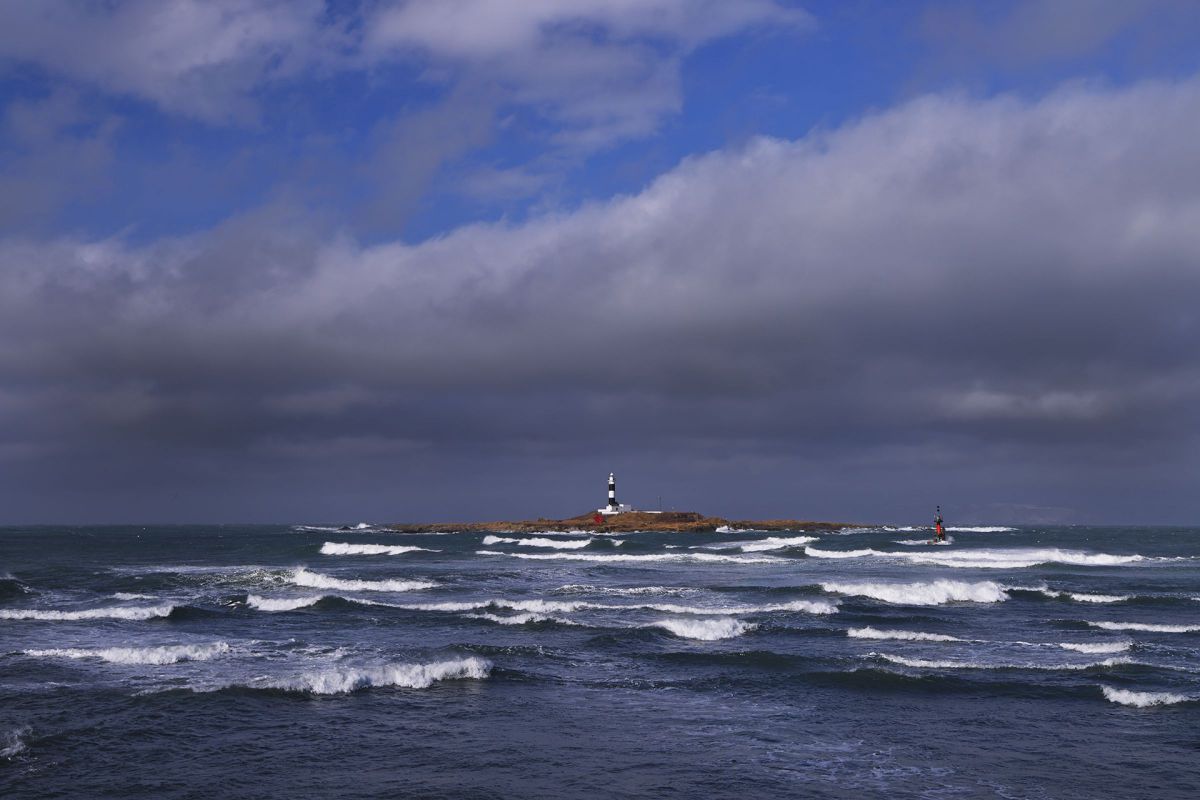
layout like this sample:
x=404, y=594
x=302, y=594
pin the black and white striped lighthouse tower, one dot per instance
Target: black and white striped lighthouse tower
x=612, y=494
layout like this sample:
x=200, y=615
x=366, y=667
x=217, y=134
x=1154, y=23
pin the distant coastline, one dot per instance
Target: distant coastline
x=625, y=522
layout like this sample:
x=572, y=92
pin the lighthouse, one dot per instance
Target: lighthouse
x=613, y=507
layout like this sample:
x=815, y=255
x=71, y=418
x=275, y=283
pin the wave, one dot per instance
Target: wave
x=12, y=587
x=917, y=636
x=116, y=612
x=132, y=596
x=987, y=558
x=1145, y=626
x=729, y=529
x=520, y=619
x=281, y=603
x=315, y=580
x=981, y=529
x=1097, y=647
x=632, y=591
x=706, y=630
x=923, y=594
x=574, y=544
x=808, y=606
x=939, y=664
x=949, y=540
x=346, y=549
x=341, y=680
x=624, y=558
x=1127, y=697
x=13, y=742
x=1079, y=597
x=168, y=654
x=775, y=543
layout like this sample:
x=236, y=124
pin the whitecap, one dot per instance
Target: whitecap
x=574, y=544
x=650, y=557
x=132, y=596
x=981, y=529
x=1097, y=647
x=13, y=742
x=1145, y=626
x=346, y=549
x=343, y=679
x=940, y=664
x=281, y=603
x=917, y=636
x=117, y=612
x=774, y=543
x=315, y=580
x=706, y=630
x=520, y=619
x=166, y=654
x=1127, y=697
x=923, y=594
x=583, y=588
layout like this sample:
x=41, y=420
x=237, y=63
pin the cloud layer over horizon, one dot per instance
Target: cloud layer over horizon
x=987, y=301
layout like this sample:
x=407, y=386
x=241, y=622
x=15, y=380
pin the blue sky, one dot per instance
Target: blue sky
x=369, y=245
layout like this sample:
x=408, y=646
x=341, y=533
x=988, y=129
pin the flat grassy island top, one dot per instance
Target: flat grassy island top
x=625, y=522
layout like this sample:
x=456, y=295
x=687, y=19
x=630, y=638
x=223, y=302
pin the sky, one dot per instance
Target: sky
x=414, y=260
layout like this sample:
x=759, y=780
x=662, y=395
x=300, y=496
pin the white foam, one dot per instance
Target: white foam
x=982, y=529
x=775, y=543
x=582, y=588
x=923, y=594
x=339, y=680
x=315, y=580
x=650, y=557
x=812, y=551
x=1142, y=699
x=167, y=654
x=1145, y=626
x=1097, y=598
x=346, y=549
x=132, y=596
x=116, y=612
x=807, y=606
x=1097, y=647
x=280, y=603
x=938, y=664
x=574, y=544
x=13, y=742
x=520, y=619
x=705, y=630
x=916, y=636
x=987, y=558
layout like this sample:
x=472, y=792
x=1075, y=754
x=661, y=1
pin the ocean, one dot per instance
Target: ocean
x=307, y=661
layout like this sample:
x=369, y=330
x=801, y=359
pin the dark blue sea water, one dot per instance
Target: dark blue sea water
x=293, y=662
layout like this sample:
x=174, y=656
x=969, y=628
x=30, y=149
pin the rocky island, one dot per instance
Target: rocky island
x=624, y=522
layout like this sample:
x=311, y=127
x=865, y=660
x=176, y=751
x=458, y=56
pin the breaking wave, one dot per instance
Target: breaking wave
x=775, y=543
x=340, y=680
x=1079, y=597
x=939, y=664
x=706, y=630
x=711, y=558
x=346, y=549
x=982, y=529
x=13, y=742
x=631, y=591
x=280, y=603
x=1145, y=626
x=117, y=612
x=923, y=594
x=168, y=654
x=537, y=541
x=520, y=619
x=916, y=636
x=987, y=558
x=1097, y=647
x=315, y=580
x=1127, y=697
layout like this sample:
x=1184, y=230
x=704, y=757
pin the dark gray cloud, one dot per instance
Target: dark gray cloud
x=992, y=301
